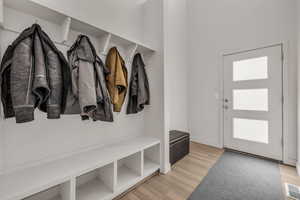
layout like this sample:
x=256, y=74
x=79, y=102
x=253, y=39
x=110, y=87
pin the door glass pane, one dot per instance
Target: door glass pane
x=251, y=130
x=251, y=99
x=251, y=69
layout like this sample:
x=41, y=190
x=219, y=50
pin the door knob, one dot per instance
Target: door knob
x=226, y=100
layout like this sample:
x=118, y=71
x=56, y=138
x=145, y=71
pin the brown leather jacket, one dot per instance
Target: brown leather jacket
x=116, y=80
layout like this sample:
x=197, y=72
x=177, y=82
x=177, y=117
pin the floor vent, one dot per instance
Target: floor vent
x=292, y=191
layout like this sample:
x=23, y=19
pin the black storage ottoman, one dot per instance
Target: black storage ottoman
x=179, y=145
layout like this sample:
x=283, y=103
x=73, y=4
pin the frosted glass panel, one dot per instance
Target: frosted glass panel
x=251, y=130
x=251, y=99
x=251, y=69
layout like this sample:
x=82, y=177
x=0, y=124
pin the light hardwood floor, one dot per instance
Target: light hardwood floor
x=187, y=174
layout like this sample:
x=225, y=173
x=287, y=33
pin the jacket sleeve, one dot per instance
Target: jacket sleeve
x=143, y=97
x=87, y=87
x=86, y=80
x=99, y=89
x=5, y=91
x=74, y=74
x=55, y=83
x=40, y=84
x=103, y=111
x=133, y=90
x=22, y=73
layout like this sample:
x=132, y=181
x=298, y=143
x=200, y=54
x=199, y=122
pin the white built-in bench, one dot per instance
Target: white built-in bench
x=98, y=174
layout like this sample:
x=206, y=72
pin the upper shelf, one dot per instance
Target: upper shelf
x=36, y=9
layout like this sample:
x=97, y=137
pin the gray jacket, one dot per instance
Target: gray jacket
x=88, y=96
x=33, y=73
x=139, y=92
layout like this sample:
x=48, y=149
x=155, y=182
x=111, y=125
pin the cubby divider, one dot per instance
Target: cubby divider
x=129, y=170
x=151, y=160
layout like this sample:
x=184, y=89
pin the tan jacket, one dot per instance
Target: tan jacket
x=116, y=81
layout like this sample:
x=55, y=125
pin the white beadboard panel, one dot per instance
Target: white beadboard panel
x=46, y=139
x=57, y=152
x=31, y=144
x=1, y=147
x=43, y=140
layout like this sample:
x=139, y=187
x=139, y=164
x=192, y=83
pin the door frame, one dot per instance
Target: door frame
x=285, y=49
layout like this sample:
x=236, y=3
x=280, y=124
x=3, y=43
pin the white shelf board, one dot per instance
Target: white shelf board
x=93, y=190
x=126, y=177
x=58, y=197
x=85, y=28
x=29, y=7
x=37, y=9
x=29, y=181
x=150, y=167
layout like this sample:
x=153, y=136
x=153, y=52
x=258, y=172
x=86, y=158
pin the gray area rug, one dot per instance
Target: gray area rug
x=240, y=177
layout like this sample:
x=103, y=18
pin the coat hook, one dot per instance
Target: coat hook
x=134, y=51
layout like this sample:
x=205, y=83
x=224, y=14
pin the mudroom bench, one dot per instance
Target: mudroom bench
x=102, y=173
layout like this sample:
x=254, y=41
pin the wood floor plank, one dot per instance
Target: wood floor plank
x=186, y=175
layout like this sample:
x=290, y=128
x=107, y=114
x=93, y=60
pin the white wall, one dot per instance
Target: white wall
x=1, y=148
x=176, y=66
x=218, y=26
x=155, y=115
x=298, y=99
x=27, y=144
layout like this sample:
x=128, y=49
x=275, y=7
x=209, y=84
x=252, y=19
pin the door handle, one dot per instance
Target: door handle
x=226, y=100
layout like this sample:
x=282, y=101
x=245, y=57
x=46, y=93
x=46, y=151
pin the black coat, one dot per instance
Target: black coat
x=33, y=73
x=139, y=93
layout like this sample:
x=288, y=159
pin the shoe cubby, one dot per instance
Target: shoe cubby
x=98, y=174
x=59, y=192
x=129, y=170
x=97, y=184
x=151, y=159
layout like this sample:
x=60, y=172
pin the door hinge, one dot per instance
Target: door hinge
x=282, y=56
x=282, y=99
x=282, y=141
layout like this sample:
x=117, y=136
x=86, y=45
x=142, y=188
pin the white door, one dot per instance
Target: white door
x=253, y=102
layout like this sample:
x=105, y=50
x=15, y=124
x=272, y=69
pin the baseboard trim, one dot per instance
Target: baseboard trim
x=291, y=162
x=210, y=145
x=166, y=168
x=206, y=143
